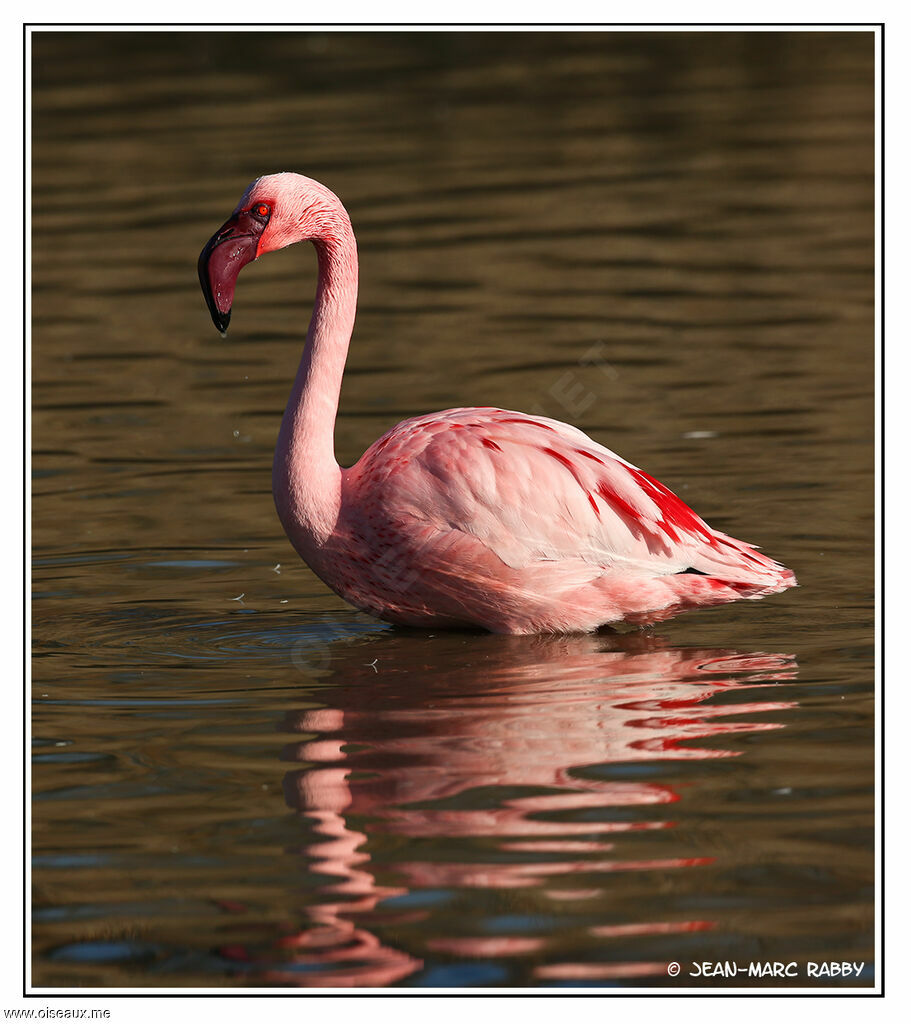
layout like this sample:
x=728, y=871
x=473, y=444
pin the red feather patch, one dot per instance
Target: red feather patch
x=528, y=423
x=672, y=508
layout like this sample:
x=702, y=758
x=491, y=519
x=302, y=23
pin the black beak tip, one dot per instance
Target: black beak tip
x=221, y=321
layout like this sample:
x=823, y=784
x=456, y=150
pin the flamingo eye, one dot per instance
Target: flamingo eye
x=261, y=210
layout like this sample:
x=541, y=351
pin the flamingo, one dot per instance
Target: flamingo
x=466, y=518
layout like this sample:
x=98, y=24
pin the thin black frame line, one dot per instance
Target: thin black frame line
x=646, y=26
x=588, y=993
x=26, y=611
x=882, y=501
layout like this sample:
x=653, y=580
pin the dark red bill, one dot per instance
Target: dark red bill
x=226, y=253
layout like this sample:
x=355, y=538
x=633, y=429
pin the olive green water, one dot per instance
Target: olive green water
x=239, y=781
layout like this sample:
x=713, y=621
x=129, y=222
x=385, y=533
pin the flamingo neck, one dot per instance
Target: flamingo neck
x=306, y=479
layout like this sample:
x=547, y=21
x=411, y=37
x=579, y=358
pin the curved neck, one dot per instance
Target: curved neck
x=306, y=479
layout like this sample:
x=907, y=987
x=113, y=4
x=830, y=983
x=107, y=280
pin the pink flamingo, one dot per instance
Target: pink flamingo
x=469, y=517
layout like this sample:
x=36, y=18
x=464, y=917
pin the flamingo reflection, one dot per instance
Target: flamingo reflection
x=493, y=757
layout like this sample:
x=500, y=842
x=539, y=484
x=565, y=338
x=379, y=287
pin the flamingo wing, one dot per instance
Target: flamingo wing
x=534, y=490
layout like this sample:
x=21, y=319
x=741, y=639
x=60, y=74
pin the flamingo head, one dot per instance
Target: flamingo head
x=273, y=212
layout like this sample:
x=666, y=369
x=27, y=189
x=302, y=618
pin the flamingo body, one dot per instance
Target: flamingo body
x=469, y=517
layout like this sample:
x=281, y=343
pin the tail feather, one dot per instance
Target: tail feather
x=740, y=564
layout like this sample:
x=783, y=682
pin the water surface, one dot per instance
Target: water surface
x=238, y=780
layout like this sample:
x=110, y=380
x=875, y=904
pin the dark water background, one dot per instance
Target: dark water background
x=664, y=238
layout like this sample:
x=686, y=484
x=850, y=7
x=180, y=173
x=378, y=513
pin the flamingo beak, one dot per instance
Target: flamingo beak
x=227, y=252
